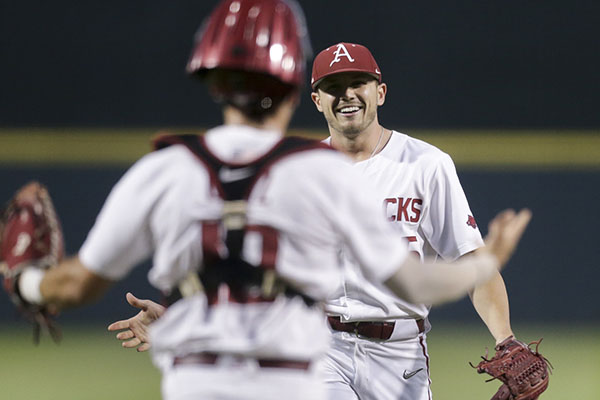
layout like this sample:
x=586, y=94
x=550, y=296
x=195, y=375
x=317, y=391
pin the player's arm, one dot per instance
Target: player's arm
x=441, y=282
x=119, y=239
x=448, y=234
x=490, y=300
x=67, y=285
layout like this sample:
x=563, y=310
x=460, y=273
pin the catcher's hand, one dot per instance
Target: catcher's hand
x=134, y=331
x=524, y=372
x=30, y=237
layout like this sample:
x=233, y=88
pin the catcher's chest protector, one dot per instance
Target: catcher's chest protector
x=223, y=240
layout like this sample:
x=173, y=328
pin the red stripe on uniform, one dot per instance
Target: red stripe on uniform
x=411, y=238
x=422, y=343
x=210, y=240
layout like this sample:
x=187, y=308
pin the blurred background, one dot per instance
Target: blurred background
x=509, y=89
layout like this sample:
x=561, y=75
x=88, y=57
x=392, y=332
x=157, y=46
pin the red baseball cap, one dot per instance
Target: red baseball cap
x=343, y=57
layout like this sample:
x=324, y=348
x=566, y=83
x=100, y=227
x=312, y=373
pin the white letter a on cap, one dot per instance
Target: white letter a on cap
x=341, y=51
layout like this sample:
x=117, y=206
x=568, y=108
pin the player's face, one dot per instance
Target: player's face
x=349, y=101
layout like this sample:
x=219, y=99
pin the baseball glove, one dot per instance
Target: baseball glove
x=30, y=236
x=524, y=372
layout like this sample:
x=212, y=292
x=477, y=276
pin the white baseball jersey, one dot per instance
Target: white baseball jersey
x=157, y=208
x=422, y=198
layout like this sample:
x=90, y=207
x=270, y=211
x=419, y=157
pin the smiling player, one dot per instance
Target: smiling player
x=379, y=341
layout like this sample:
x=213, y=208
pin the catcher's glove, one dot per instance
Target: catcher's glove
x=524, y=372
x=30, y=236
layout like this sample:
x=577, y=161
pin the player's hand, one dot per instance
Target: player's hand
x=134, y=331
x=504, y=233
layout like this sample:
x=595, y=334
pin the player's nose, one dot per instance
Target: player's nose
x=348, y=93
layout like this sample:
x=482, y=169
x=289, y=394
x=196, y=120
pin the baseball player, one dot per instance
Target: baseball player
x=423, y=199
x=244, y=228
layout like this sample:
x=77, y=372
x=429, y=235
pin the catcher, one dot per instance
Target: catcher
x=524, y=372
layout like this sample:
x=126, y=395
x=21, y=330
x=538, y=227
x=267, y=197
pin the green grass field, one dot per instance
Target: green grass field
x=90, y=364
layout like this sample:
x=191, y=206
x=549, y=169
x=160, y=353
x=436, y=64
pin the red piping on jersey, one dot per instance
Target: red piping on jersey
x=421, y=342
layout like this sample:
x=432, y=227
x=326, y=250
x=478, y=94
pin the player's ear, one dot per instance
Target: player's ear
x=316, y=99
x=381, y=92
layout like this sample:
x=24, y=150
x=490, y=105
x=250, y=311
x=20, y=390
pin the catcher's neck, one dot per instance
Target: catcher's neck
x=278, y=120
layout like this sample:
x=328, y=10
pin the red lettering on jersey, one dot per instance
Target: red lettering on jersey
x=411, y=238
x=408, y=209
x=403, y=209
x=415, y=210
x=386, y=202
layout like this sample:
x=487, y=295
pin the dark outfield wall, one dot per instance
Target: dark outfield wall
x=552, y=278
x=448, y=64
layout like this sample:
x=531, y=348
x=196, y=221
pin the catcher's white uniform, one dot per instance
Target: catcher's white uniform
x=165, y=197
x=423, y=199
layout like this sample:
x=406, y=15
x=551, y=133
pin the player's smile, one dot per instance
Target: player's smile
x=349, y=110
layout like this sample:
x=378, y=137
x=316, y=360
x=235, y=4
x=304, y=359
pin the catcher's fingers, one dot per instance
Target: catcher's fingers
x=118, y=325
x=515, y=224
x=144, y=347
x=125, y=335
x=131, y=343
x=510, y=223
x=137, y=303
x=505, y=232
x=496, y=224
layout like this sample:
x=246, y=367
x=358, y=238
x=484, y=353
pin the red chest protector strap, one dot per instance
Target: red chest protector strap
x=234, y=183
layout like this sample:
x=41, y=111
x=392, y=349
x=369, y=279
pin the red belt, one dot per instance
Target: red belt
x=211, y=359
x=370, y=329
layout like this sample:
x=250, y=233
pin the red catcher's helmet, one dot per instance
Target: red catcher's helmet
x=259, y=36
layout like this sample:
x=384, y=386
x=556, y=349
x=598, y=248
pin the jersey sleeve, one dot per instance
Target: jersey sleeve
x=120, y=237
x=448, y=224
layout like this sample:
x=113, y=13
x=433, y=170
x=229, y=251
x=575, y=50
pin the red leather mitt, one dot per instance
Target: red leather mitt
x=524, y=372
x=30, y=236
